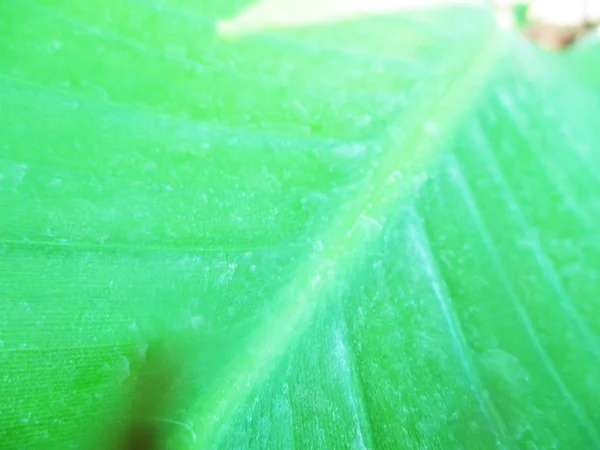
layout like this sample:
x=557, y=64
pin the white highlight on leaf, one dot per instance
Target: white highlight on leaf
x=292, y=13
x=371, y=221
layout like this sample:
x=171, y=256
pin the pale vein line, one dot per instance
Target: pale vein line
x=288, y=397
x=516, y=116
x=459, y=178
x=542, y=259
x=109, y=348
x=418, y=237
x=140, y=248
x=360, y=410
x=538, y=65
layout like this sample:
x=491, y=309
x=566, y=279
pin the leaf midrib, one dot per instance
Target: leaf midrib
x=299, y=300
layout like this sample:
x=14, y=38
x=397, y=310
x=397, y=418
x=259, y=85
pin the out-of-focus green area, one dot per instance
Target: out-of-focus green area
x=375, y=232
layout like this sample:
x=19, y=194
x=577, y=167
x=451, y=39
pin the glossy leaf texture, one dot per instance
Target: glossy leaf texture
x=374, y=231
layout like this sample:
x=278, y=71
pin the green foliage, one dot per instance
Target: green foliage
x=379, y=232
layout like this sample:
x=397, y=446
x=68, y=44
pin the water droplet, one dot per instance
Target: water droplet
x=142, y=350
x=394, y=176
x=370, y=221
x=197, y=321
x=316, y=281
x=124, y=362
x=352, y=150
x=318, y=246
x=431, y=128
x=363, y=120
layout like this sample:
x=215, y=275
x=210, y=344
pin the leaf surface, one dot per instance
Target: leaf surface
x=374, y=231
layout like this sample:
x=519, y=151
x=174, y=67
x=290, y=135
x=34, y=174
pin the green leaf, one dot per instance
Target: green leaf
x=365, y=230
